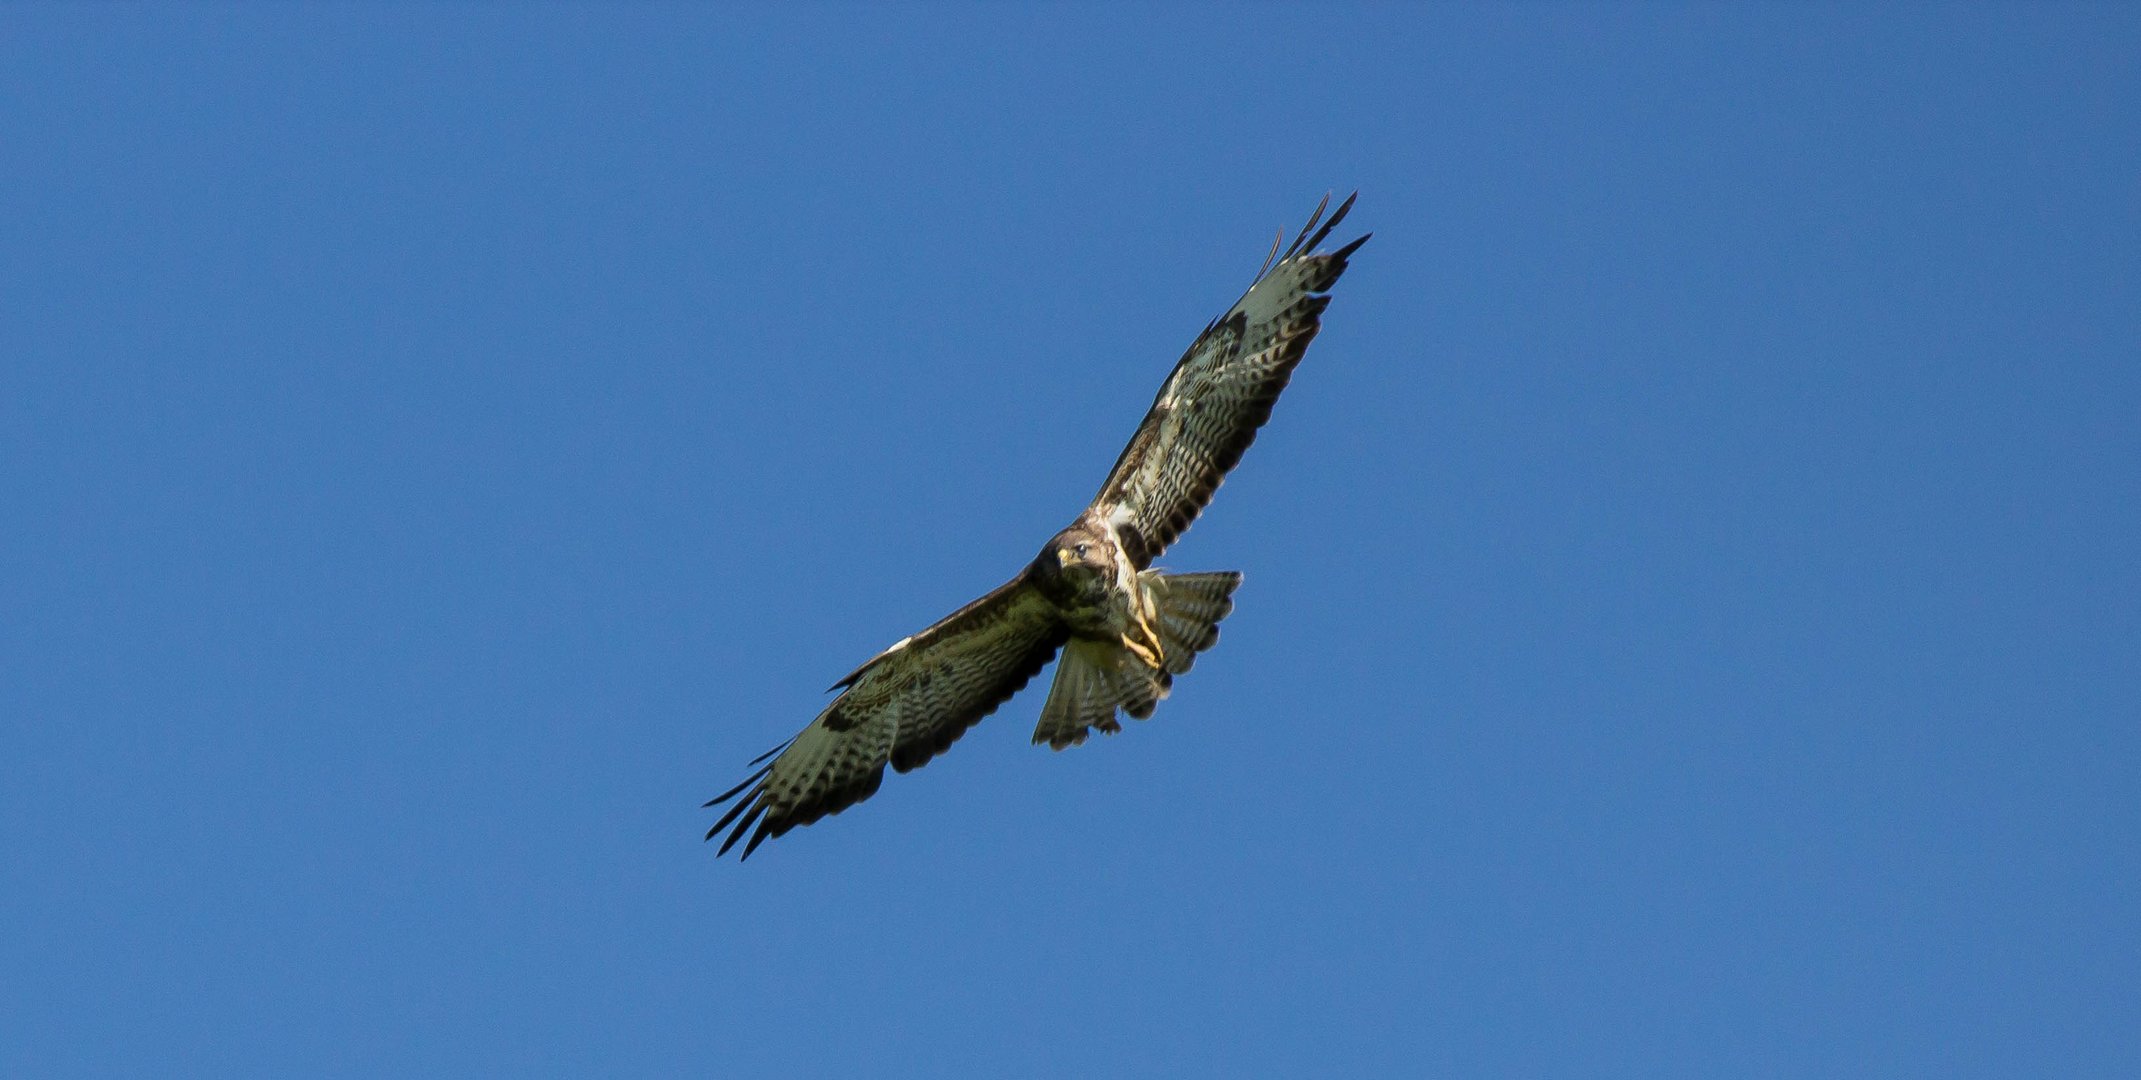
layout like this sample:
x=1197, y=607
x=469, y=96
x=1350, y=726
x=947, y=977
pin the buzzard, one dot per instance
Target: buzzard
x=1125, y=630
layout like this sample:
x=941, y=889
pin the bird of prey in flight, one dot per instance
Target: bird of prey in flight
x=1125, y=630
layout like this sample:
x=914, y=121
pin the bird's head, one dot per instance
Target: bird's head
x=1076, y=552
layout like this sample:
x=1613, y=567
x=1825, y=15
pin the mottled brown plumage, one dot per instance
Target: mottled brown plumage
x=1125, y=630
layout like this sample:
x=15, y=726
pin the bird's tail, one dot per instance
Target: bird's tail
x=1189, y=607
x=1096, y=678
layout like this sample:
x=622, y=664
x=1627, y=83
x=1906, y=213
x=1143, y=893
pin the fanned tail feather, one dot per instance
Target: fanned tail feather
x=1096, y=679
x=1092, y=681
x=1190, y=607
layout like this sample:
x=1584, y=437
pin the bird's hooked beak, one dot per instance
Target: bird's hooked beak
x=1064, y=556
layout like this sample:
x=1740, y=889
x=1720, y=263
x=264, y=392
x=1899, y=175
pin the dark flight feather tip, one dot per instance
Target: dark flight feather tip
x=1276, y=239
x=738, y=789
x=734, y=812
x=1336, y=217
x=1295, y=247
x=748, y=820
x=757, y=838
x=762, y=757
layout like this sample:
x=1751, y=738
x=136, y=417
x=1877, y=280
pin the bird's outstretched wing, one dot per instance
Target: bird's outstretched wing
x=1220, y=393
x=903, y=707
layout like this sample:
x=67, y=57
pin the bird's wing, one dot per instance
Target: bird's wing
x=905, y=706
x=1221, y=391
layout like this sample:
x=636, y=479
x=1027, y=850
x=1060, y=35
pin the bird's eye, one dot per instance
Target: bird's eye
x=1080, y=549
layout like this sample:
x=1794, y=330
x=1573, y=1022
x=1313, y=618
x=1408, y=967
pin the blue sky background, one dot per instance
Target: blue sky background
x=1692, y=622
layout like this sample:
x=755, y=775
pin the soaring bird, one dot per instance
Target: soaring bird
x=1125, y=630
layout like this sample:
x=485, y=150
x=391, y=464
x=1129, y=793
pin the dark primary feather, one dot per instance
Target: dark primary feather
x=1221, y=391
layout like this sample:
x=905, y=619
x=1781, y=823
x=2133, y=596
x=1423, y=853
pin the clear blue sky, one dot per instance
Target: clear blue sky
x=1692, y=622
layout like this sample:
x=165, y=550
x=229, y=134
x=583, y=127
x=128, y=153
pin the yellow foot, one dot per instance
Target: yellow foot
x=1145, y=644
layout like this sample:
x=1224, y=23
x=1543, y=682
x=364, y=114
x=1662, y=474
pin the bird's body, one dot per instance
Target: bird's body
x=1085, y=573
x=1124, y=629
